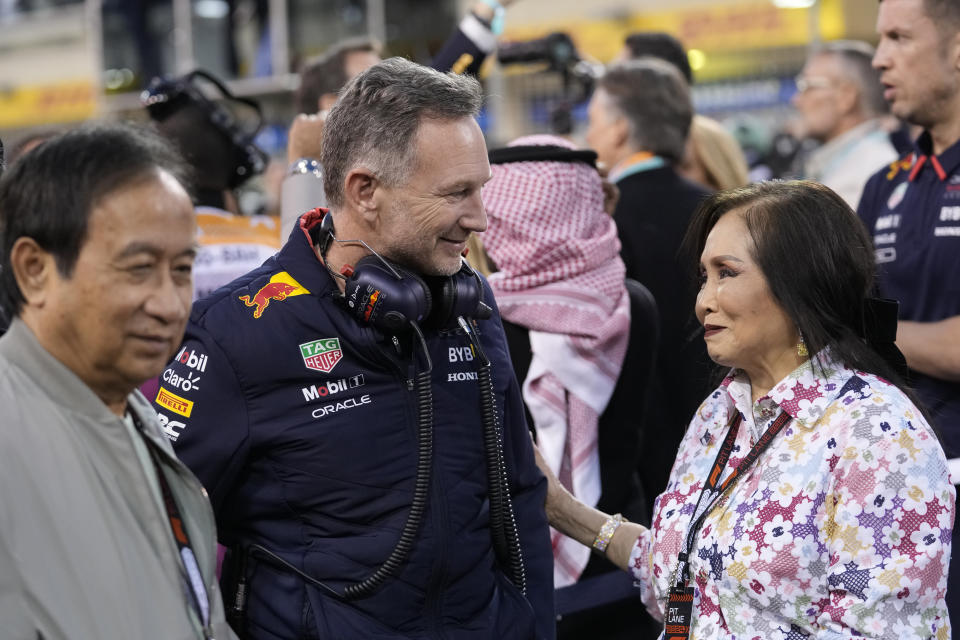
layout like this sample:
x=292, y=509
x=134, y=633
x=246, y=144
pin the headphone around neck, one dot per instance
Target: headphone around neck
x=389, y=297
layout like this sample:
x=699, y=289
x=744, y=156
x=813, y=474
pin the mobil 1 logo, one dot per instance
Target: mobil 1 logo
x=331, y=387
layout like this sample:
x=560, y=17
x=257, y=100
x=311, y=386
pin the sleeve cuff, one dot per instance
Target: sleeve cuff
x=478, y=33
x=641, y=571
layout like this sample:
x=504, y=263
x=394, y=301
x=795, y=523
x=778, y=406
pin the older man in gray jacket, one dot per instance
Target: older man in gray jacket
x=103, y=532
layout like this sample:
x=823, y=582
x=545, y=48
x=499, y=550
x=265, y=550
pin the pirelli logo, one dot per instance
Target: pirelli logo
x=174, y=403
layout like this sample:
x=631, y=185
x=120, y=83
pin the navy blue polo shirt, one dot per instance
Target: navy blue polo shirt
x=912, y=210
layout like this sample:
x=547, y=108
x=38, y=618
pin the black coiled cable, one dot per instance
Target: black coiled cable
x=503, y=523
x=419, y=502
x=421, y=485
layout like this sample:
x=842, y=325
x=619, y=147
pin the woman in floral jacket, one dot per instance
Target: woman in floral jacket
x=810, y=498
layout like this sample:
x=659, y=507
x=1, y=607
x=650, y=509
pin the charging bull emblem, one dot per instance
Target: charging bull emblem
x=280, y=287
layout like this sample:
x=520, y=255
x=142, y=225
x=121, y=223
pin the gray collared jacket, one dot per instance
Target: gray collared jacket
x=86, y=553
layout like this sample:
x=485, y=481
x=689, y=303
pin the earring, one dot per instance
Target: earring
x=802, y=348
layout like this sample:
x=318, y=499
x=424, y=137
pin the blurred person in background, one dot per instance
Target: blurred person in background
x=657, y=44
x=322, y=78
x=103, y=532
x=713, y=156
x=841, y=106
x=581, y=343
x=912, y=208
x=639, y=117
x=810, y=497
x=222, y=157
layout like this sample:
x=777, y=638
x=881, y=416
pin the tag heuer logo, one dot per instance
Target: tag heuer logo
x=321, y=355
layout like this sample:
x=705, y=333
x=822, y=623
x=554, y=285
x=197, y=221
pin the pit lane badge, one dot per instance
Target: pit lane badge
x=321, y=355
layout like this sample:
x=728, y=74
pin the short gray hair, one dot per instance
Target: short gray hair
x=654, y=98
x=378, y=114
x=856, y=60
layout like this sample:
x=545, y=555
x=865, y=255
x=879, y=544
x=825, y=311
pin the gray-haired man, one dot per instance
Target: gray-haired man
x=840, y=100
x=639, y=118
x=354, y=461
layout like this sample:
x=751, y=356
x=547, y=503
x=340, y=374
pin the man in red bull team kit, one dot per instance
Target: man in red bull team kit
x=912, y=209
x=350, y=405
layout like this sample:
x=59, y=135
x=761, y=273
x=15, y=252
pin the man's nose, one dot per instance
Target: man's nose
x=169, y=300
x=475, y=219
x=881, y=59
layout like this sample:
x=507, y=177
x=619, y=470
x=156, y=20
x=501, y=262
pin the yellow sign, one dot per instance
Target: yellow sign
x=174, y=402
x=745, y=25
x=30, y=106
x=715, y=29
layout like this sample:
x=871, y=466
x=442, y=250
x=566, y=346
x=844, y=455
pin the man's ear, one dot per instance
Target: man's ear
x=33, y=268
x=360, y=193
x=621, y=131
x=848, y=97
x=954, y=51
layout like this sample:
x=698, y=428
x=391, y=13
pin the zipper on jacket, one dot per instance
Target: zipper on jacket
x=438, y=576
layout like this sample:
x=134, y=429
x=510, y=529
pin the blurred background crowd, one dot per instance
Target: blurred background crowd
x=65, y=61
x=741, y=91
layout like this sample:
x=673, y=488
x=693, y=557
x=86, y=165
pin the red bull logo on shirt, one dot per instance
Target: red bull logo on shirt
x=281, y=286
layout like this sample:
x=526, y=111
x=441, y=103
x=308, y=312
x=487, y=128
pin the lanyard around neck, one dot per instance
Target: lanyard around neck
x=189, y=565
x=714, y=492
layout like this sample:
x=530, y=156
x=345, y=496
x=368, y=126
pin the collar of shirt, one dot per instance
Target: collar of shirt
x=298, y=258
x=949, y=160
x=831, y=153
x=805, y=393
x=635, y=163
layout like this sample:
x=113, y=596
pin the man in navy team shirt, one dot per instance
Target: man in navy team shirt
x=912, y=208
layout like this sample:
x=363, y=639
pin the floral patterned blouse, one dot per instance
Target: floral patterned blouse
x=841, y=528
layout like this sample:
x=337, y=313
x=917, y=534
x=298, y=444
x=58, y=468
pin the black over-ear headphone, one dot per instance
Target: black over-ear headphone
x=164, y=97
x=388, y=296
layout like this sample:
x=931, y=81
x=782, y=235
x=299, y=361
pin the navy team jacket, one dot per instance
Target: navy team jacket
x=302, y=426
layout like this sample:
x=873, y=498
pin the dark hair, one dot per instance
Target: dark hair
x=661, y=45
x=653, y=97
x=49, y=193
x=207, y=150
x=817, y=258
x=378, y=114
x=327, y=73
x=944, y=13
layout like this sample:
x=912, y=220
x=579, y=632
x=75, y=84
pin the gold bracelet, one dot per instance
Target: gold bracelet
x=606, y=532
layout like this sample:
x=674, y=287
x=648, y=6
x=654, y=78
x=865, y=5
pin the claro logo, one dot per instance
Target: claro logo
x=185, y=383
x=350, y=403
